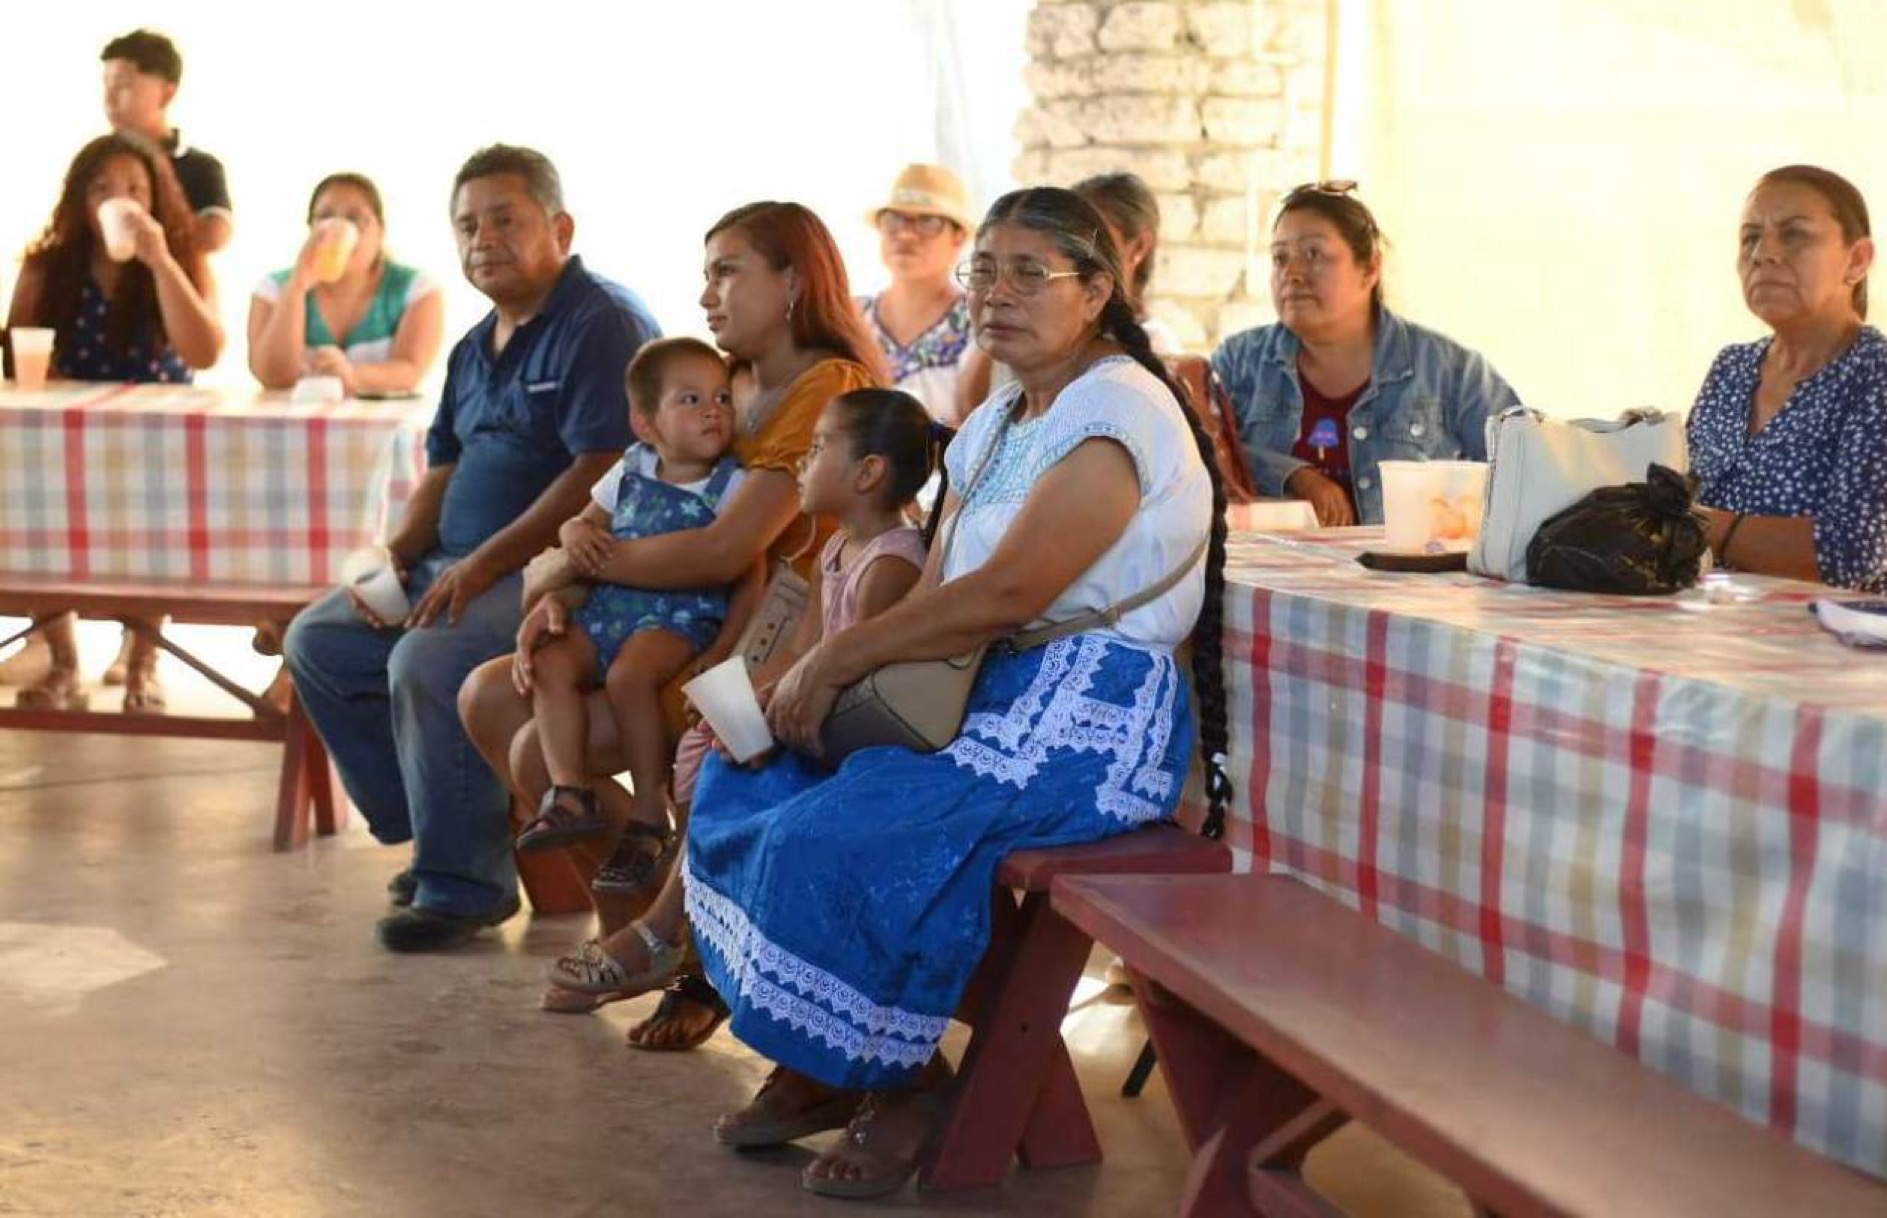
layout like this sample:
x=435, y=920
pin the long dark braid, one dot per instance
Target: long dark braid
x=1079, y=232
x=1208, y=654
x=940, y=437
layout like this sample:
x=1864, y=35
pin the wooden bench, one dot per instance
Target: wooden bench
x=1279, y=1013
x=304, y=793
x=1017, y=1095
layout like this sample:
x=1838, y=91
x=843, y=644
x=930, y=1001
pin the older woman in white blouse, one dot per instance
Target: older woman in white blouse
x=869, y=887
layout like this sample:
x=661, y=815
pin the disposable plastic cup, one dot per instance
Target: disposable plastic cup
x=1432, y=507
x=381, y=591
x=318, y=391
x=114, y=222
x=338, y=238
x=724, y=695
x=32, y=356
x=1272, y=516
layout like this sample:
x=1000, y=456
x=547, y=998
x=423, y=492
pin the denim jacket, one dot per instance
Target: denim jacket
x=1429, y=399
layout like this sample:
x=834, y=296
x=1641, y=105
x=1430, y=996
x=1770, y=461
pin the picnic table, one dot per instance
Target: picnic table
x=1661, y=819
x=178, y=482
x=210, y=506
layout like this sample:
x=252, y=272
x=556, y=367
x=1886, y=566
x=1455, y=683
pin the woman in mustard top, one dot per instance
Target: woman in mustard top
x=779, y=304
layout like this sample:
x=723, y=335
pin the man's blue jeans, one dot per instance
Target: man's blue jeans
x=386, y=705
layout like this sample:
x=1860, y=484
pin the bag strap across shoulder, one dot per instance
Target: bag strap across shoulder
x=1093, y=619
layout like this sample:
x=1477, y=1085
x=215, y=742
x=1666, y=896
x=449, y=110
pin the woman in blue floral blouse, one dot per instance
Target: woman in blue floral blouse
x=1789, y=434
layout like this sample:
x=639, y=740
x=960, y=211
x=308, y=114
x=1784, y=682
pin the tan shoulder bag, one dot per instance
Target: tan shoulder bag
x=920, y=704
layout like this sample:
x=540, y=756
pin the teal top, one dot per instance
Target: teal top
x=371, y=340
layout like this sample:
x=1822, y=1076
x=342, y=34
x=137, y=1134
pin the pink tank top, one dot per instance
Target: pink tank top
x=839, y=587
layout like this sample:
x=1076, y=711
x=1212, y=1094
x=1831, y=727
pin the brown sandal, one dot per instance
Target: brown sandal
x=565, y=816
x=883, y=1171
x=633, y=866
x=765, y=1122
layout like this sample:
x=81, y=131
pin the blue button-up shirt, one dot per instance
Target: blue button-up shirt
x=510, y=425
x=1823, y=455
x=1428, y=399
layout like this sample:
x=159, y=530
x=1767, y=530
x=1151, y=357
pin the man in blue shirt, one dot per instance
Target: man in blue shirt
x=534, y=412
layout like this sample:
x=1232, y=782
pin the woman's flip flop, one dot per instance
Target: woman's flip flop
x=693, y=990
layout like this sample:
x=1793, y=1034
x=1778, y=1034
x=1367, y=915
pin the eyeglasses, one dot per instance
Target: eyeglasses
x=891, y=223
x=1025, y=277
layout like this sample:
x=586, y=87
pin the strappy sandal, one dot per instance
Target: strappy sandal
x=883, y=1173
x=594, y=971
x=632, y=869
x=695, y=990
x=58, y=690
x=762, y=1123
x=558, y=823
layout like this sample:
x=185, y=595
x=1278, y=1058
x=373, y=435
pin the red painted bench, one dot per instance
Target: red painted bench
x=1017, y=1095
x=1279, y=1014
x=305, y=792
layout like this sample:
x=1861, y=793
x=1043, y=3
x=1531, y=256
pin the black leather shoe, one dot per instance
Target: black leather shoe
x=429, y=930
x=402, y=887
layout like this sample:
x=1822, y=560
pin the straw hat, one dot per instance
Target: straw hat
x=928, y=190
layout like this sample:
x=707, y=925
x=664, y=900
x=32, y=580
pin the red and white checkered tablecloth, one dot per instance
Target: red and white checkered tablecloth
x=175, y=482
x=1662, y=819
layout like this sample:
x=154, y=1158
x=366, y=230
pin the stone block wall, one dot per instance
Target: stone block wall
x=1218, y=104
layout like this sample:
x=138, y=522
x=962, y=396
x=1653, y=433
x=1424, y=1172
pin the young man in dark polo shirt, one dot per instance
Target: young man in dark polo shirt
x=534, y=412
x=142, y=71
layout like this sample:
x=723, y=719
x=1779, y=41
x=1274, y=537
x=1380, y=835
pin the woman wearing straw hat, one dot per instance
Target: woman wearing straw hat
x=923, y=319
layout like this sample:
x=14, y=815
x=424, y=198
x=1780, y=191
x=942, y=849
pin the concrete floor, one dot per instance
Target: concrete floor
x=195, y=1026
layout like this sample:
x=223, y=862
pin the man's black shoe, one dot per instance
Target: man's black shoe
x=429, y=930
x=402, y=887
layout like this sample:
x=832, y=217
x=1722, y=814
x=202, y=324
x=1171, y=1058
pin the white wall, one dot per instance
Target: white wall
x=1561, y=179
x=660, y=116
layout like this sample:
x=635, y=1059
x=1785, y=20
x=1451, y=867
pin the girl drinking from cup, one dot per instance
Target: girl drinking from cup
x=345, y=309
x=133, y=304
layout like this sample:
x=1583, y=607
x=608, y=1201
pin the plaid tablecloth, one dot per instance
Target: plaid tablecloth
x=1662, y=819
x=177, y=482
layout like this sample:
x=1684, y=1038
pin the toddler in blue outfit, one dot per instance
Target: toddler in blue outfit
x=631, y=642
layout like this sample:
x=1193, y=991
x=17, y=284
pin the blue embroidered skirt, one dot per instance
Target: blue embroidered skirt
x=841, y=914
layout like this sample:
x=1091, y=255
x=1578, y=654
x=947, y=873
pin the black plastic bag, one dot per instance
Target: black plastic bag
x=1638, y=539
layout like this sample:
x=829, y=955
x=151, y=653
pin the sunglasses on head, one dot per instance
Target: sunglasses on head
x=1337, y=187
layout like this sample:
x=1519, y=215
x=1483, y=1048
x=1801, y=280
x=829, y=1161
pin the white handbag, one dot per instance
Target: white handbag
x=1540, y=466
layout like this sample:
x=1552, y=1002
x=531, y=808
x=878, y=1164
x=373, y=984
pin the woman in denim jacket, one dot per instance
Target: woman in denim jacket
x=1340, y=383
